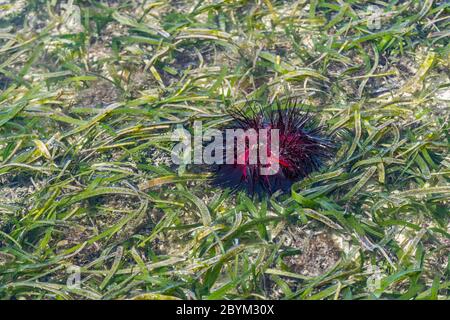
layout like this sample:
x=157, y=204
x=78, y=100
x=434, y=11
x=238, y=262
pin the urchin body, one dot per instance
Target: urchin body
x=303, y=148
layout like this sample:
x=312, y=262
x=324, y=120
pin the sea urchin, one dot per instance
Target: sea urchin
x=303, y=148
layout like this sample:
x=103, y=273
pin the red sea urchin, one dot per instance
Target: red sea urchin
x=303, y=148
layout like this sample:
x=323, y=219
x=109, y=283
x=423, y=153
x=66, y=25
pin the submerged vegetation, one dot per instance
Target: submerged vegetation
x=91, y=206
